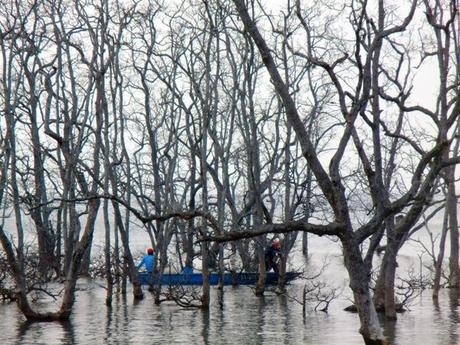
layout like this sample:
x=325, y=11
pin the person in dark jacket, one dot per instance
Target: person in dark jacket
x=271, y=256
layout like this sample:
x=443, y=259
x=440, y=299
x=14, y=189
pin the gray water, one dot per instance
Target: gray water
x=242, y=319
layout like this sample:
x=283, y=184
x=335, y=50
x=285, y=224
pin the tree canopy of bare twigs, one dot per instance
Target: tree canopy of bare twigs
x=225, y=121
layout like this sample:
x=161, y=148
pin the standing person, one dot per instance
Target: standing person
x=148, y=260
x=271, y=256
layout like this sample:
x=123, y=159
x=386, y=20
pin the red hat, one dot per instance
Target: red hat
x=150, y=251
x=276, y=244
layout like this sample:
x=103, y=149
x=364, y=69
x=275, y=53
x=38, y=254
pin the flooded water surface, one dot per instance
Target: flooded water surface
x=241, y=319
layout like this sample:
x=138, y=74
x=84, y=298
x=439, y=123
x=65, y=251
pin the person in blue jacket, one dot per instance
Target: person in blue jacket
x=148, y=261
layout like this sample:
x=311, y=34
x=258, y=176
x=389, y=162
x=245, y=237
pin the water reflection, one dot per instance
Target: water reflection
x=219, y=314
x=454, y=303
x=49, y=333
x=389, y=329
x=235, y=317
x=205, y=326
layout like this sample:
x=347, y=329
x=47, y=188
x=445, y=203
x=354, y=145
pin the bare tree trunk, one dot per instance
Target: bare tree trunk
x=384, y=295
x=107, y=255
x=106, y=217
x=390, y=275
x=358, y=270
x=260, y=254
x=359, y=283
x=86, y=262
x=39, y=214
x=440, y=258
x=451, y=205
x=74, y=269
x=129, y=261
x=309, y=198
x=282, y=273
x=205, y=297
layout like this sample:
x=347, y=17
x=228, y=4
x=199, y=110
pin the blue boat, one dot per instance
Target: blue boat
x=237, y=278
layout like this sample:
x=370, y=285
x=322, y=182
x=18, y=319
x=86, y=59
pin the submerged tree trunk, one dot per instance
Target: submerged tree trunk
x=384, y=294
x=359, y=275
x=282, y=273
x=71, y=279
x=160, y=266
x=74, y=269
x=390, y=275
x=260, y=286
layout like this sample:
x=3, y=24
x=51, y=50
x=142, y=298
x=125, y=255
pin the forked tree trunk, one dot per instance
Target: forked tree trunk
x=71, y=279
x=74, y=269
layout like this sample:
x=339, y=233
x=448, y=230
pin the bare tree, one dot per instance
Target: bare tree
x=332, y=182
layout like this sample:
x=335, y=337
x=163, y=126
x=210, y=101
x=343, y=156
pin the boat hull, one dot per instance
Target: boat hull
x=242, y=278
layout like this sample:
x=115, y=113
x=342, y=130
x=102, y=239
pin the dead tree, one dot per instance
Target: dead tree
x=331, y=182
